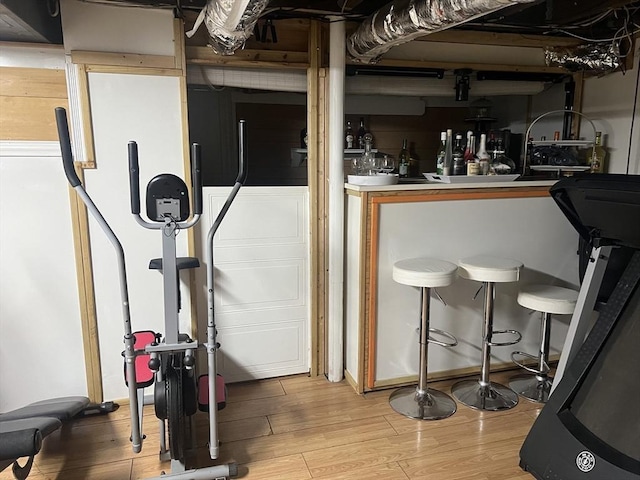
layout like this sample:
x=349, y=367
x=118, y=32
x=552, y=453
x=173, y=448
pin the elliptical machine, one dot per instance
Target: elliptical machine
x=167, y=362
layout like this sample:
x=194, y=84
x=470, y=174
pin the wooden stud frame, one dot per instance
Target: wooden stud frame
x=316, y=210
x=134, y=64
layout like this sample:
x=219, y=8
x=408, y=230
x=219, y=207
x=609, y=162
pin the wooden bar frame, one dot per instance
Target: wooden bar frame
x=371, y=210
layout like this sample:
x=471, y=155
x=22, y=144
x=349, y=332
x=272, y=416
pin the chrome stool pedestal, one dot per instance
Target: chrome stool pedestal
x=482, y=394
x=422, y=402
x=547, y=299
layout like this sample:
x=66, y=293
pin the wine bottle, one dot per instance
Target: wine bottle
x=458, y=157
x=448, y=155
x=348, y=136
x=597, y=156
x=473, y=166
x=483, y=155
x=403, y=160
x=441, y=153
x=361, y=133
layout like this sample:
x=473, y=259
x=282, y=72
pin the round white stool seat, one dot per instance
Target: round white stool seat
x=548, y=299
x=487, y=268
x=424, y=272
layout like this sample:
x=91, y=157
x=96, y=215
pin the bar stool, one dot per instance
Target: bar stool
x=482, y=394
x=422, y=402
x=548, y=300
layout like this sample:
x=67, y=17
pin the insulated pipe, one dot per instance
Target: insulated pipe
x=404, y=20
x=336, y=199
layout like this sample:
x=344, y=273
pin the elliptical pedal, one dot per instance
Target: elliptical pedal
x=203, y=392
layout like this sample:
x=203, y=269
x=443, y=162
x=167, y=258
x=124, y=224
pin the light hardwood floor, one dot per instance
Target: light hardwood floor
x=300, y=428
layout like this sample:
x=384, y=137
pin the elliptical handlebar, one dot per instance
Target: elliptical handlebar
x=211, y=323
x=65, y=147
x=134, y=178
x=196, y=178
x=129, y=351
x=242, y=172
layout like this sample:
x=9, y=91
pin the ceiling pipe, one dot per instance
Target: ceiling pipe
x=404, y=20
x=229, y=23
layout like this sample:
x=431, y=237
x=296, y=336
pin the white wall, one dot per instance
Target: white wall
x=610, y=101
x=41, y=352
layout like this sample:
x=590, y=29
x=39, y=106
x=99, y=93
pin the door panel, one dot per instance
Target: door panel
x=261, y=292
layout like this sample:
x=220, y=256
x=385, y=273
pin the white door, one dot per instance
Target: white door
x=261, y=292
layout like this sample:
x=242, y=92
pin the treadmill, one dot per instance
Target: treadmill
x=590, y=427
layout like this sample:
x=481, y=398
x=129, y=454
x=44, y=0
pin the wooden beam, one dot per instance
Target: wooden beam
x=495, y=38
x=86, y=292
x=123, y=59
x=315, y=210
x=248, y=58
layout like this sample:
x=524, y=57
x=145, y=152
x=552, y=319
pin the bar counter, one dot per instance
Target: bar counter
x=385, y=224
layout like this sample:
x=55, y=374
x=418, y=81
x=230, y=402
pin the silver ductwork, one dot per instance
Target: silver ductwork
x=404, y=20
x=229, y=23
x=598, y=58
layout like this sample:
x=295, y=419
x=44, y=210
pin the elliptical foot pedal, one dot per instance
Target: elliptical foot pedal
x=144, y=374
x=203, y=392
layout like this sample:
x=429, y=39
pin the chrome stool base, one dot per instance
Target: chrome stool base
x=432, y=405
x=532, y=387
x=492, y=397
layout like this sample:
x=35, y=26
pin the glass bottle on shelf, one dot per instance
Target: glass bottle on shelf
x=597, y=156
x=501, y=164
x=471, y=161
x=348, y=136
x=403, y=160
x=370, y=164
x=361, y=133
x=470, y=146
x=483, y=155
x=442, y=149
x=458, y=157
x=448, y=154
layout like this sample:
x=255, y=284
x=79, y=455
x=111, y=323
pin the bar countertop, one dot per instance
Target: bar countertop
x=426, y=185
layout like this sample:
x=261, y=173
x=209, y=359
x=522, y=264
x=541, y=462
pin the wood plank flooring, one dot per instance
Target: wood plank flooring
x=305, y=428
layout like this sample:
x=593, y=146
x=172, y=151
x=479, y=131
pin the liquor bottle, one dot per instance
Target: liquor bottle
x=459, y=166
x=361, y=133
x=483, y=156
x=490, y=142
x=470, y=145
x=442, y=150
x=348, y=136
x=473, y=166
x=598, y=154
x=448, y=154
x=403, y=160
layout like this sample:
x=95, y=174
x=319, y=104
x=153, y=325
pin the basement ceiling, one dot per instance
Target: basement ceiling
x=39, y=20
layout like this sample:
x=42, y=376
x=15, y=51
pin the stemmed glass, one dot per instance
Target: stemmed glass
x=387, y=164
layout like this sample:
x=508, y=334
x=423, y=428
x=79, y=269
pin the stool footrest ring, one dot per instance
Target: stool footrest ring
x=453, y=340
x=504, y=344
x=544, y=371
